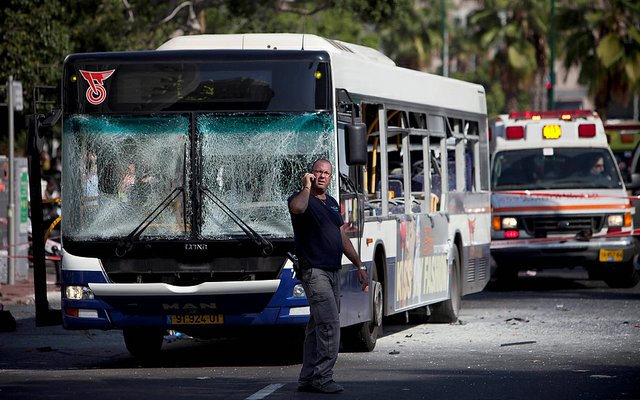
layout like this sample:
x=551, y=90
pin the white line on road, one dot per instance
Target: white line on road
x=266, y=391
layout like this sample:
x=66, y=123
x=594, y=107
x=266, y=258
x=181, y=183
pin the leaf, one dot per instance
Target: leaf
x=489, y=37
x=632, y=68
x=609, y=50
x=517, y=59
x=635, y=34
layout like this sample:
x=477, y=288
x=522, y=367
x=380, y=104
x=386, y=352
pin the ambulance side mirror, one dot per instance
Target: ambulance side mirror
x=635, y=182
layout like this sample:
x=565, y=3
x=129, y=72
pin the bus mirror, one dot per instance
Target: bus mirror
x=356, y=143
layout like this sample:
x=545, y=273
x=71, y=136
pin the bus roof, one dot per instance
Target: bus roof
x=363, y=71
x=273, y=41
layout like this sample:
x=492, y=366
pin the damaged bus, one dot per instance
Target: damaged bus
x=178, y=162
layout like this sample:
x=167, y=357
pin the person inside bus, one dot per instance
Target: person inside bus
x=320, y=240
x=127, y=182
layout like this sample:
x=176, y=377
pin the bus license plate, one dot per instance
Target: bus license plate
x=196, y=319
x=610, y=255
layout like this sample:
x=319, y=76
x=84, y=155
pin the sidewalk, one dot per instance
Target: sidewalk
x=23, y=291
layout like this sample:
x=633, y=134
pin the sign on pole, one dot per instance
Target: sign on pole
x=17, y=96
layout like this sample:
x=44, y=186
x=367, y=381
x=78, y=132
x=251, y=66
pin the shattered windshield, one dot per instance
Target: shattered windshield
x=555, y=168
x=118, y=170
x=253, y=164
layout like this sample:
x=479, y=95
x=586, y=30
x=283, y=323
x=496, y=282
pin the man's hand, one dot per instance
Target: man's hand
x=307, y=179
x=363, y=278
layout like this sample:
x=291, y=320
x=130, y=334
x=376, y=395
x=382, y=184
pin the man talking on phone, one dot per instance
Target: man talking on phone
x=320, y=241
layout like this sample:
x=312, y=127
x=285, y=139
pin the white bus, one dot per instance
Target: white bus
x=178, y=162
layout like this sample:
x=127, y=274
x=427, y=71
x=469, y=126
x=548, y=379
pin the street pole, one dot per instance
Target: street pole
x=552, y=50
x=445, y=47
x=11, y=264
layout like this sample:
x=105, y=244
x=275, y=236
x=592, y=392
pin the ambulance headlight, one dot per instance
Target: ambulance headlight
x=298, y=291
x=509, y=223
x=615, y=220
x=78, y=293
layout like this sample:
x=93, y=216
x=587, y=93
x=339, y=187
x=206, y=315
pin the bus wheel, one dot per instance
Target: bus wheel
x=362, y=337
x=622, y=276
x=447, y=311
x=143, y=343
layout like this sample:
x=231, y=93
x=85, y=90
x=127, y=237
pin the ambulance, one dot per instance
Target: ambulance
x=558, y=198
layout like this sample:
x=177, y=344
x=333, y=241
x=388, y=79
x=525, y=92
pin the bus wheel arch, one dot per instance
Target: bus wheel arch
x=447, y=311
x=362, y=337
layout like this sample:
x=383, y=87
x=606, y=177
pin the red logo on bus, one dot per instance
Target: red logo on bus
x=96, y=93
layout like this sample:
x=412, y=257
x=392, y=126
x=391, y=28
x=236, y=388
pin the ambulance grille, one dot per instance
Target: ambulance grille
x=541, y=226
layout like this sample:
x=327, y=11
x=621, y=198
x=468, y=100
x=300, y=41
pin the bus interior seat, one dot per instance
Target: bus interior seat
x=395, y=186
x=436, y=184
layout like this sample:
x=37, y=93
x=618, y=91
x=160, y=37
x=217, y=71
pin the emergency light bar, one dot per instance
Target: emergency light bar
x=587, y=130
x=515, y=132
x=566, y=115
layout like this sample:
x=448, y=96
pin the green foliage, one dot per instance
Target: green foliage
x=513, y=34
x=503, y=45
x=603, y=41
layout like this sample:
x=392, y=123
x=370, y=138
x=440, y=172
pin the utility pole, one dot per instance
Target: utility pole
x=445, y=47
x=552, y=50
x=11, y=264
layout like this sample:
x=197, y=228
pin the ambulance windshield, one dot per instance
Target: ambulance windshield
x=555, y=168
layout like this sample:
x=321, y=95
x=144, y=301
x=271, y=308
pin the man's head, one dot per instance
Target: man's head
x=598, y=166
x=322, y=171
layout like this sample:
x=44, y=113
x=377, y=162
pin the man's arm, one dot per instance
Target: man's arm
x=352, y=255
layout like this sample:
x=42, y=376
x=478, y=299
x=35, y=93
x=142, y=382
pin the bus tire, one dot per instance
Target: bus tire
x=143, y=343
x=363, y=337
x=447, y=311
x=622, y=276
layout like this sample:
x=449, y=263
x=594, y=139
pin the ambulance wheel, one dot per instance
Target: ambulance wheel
x=622, y=276
x=447, y=311
x=143, y=343
x=363, y=337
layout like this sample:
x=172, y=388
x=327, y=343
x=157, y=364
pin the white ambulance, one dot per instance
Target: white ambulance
x=558, y=199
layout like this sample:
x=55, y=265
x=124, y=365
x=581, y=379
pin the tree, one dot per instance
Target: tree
x=38, y=34
x=513, y=33
x=602, y=38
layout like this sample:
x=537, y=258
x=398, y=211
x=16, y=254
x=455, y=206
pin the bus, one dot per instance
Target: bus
x=623, y=137
x=177, y=164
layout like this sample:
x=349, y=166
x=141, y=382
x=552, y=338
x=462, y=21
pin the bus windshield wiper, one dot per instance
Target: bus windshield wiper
x=258, y=239
x=125, y=245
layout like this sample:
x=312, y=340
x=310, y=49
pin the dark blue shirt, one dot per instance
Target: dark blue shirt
x=317, y=233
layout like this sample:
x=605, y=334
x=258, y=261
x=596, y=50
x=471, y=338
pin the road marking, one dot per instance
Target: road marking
x=266, y=391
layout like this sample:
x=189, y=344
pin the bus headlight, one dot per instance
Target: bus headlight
x=615, y=220
x=509, y=223
x=78, y=293
x=298, y=291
